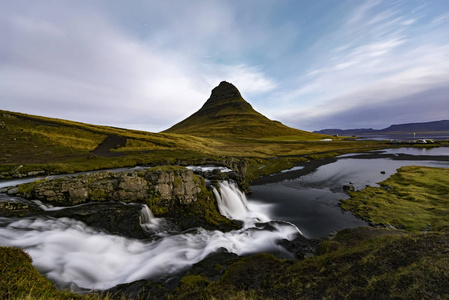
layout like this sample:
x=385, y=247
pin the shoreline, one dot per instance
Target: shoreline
x=312, y=165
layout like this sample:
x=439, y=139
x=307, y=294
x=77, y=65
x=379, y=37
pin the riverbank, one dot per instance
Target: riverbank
x=308, y=167
x=373, y=262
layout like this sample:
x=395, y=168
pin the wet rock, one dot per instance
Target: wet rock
x=113, y=218
x=332, y=234
x=16, y=208
x=170, y=192
x=35, y=173
x=13, y=191
x=348, y=188
x=164, y=186
x=141, y=289
x=210, y=268
x=302, y=247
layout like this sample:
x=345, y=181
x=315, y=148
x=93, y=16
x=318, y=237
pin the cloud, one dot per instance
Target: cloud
x=74, y=61
x=149, y=64
x=376, y=77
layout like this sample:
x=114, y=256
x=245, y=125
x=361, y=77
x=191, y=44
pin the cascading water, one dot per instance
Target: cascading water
x=232, y=203
x=147, y=220
x=72, y=254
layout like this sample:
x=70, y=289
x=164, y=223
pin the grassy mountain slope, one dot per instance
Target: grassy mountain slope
x=227, y=114
x=30, y=143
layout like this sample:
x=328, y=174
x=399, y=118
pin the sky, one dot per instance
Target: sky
x=149, y=64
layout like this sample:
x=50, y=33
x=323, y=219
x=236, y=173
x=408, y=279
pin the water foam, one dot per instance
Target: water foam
x=232, y=203
x=68, y=251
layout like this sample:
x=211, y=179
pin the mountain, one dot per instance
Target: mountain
x=346, y=131
x=227, y=114
x=418, y=127
x=425, y=127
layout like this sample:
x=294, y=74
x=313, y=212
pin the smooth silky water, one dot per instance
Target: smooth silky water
x=311, y=202
x=75, y=256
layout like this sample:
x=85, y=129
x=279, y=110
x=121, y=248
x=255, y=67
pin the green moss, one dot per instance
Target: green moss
x=263, y=167
x=97, y=195
x=166, y=168
x=27, y=188
x=177, y=182
x=192, y=283
x=410, y=199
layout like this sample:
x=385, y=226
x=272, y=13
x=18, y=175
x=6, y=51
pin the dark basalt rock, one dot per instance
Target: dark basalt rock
x=302, y=247
x=141, y=289
x=114, y=218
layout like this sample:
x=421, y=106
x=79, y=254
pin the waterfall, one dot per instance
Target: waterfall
x=231, y=201
x=232, y=204
x=147, y=220
x=68, y=251
x=146, y=215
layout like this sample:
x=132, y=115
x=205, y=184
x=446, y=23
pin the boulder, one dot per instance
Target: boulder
x=348, y=188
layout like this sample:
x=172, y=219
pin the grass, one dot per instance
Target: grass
x=59, y=146
x=227, y=114
x=365, y=263
x=20, y=280
x=358, y=263
x=412, y=199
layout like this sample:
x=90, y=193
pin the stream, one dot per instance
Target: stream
x=78, y=257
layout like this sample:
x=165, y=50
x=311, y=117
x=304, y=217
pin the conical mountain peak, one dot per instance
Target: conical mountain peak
x=224, y=90
x=226, y=99
x=227, y=114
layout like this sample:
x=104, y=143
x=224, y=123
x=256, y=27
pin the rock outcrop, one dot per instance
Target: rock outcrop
x=162, y=186
x=172, y=192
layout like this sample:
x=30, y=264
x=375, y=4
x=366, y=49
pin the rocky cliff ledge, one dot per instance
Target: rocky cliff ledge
x=173, y=192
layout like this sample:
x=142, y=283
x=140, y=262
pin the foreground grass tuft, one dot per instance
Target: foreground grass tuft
x=20, y=280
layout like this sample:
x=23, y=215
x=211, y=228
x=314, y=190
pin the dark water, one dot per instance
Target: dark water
x=311, y=201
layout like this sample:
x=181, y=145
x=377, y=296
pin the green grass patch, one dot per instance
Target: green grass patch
x=20, y=280
x=411, y=199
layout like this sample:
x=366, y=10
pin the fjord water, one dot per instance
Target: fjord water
x=311, y=202
x=74, y=255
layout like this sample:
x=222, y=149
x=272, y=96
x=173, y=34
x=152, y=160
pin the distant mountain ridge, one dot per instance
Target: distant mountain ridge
x=227, y=114
x=424, y=127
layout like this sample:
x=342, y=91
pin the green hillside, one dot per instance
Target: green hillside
x=225, y=127
x=227, y=114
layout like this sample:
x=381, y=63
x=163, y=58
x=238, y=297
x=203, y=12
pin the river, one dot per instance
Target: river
x=311, y=201
x=78, y=257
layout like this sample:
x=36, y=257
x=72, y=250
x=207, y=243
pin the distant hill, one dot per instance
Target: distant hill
x=418, y=127
x=346, y=131
x=425, y=127
x=227, y=114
